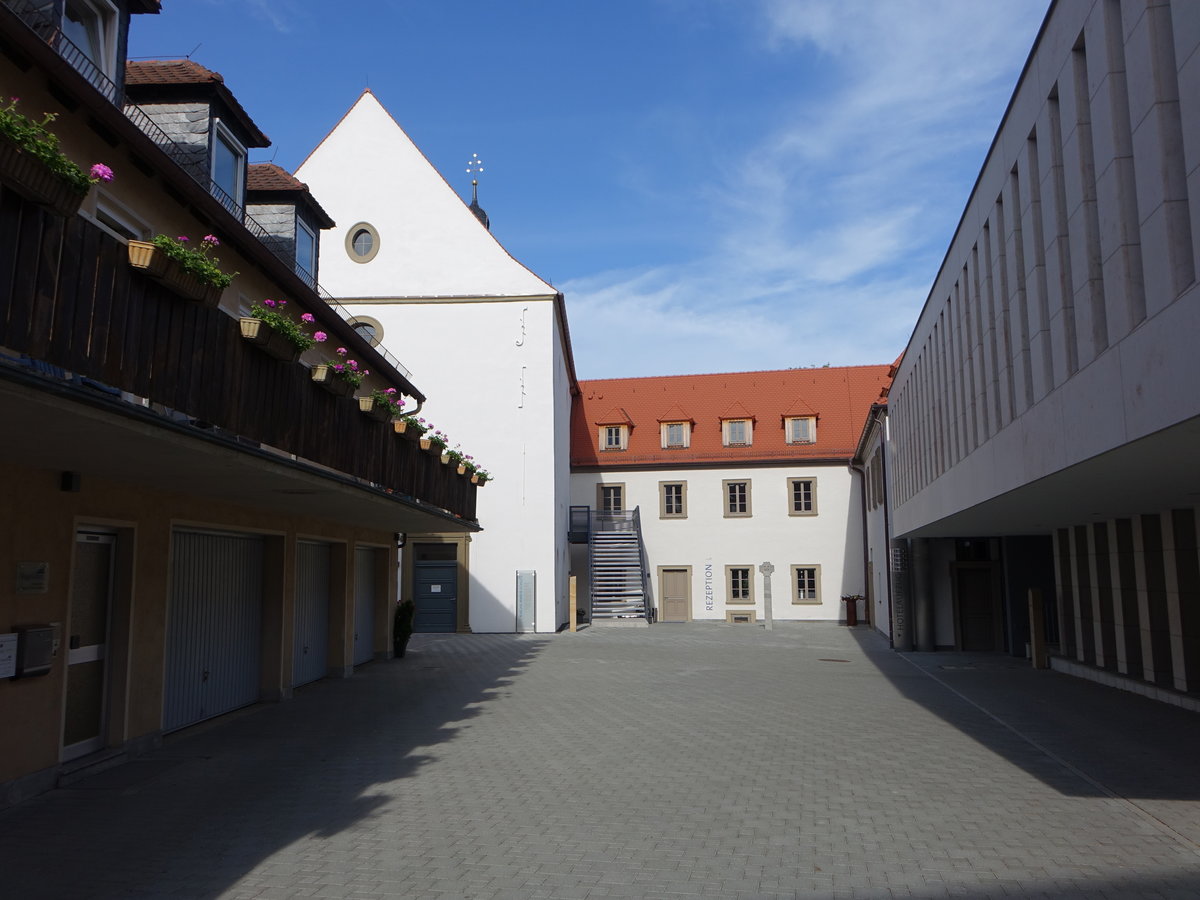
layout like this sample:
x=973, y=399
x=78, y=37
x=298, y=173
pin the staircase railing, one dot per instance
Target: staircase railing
x=643, y=564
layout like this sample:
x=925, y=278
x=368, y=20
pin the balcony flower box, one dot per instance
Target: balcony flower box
x=326, y=377
x=372, y=407
x=267, y=339
x=155, y=264
x=29, y=177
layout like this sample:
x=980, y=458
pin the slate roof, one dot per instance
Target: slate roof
x=839, y=397
x=268, y=178
x=163, y=80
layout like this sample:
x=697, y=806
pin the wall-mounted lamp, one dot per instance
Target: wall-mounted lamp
x=401, y=539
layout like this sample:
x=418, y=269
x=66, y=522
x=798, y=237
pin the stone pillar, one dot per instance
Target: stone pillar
x=922, y=596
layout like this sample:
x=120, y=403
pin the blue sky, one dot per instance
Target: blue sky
x=715, y=185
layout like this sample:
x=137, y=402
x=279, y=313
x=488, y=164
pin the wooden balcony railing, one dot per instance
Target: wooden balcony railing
x=68, y=297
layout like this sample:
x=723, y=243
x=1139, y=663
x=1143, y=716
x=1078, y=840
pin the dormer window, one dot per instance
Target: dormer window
x=91, y=25
x=801, y=430
x=228, y=166
x=737, y=432
x=676, y=435
x=614, y=437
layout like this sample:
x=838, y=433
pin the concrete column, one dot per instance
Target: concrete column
x=923, y=596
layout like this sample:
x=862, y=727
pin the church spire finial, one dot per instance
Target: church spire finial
x=475, y=168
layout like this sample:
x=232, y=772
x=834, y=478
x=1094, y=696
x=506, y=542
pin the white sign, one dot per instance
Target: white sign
x=435, y=589
x=8, y=655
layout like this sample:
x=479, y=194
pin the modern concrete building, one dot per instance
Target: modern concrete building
x=191, y=523
x=1044, y=426
x=424, y=277
x=684, y=486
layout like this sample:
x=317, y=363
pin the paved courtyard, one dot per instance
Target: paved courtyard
x=670, y=762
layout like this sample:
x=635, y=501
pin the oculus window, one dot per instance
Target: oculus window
x=362, y=242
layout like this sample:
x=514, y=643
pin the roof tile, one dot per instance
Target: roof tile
x=839, y=397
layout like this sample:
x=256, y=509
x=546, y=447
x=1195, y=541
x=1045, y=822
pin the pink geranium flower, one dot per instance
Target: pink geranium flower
x=307, y=317
x=101, y=172
x=320, y=337
x=269, y=302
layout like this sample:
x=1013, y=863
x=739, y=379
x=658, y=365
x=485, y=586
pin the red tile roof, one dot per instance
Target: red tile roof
x=148, y=80
x=168, y=71
x=839, y=397
x=268, y=178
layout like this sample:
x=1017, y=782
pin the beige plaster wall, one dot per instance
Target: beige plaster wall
x=41, y=526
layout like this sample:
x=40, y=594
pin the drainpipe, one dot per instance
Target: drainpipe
x=866, y=541
x=887, y=525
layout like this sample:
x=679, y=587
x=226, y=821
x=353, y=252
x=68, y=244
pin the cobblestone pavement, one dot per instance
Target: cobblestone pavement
x=669, y=762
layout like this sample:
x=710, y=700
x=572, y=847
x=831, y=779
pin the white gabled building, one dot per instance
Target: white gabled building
x=421, y=273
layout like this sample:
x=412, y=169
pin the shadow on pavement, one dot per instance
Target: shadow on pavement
x=1101, y=741
x=195, y=817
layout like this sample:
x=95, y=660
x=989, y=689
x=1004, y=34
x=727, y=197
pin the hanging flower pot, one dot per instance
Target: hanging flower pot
x=327, y=378
x=445, y=457
x=373, y=408
x=155, y=263
x=474, y=479
x=267, y=339
x=400, y=426
x=462, y=470
x=425, y=442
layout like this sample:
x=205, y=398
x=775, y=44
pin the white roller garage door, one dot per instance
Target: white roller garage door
x=214, y=626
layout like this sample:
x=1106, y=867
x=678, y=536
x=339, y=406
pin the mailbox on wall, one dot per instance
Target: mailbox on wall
x=35, y=650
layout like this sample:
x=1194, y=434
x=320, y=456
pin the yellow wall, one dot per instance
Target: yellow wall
x=40, y=526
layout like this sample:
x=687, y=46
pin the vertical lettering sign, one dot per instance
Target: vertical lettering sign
x=708, y=587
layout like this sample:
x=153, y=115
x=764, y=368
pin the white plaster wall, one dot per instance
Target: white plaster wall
x=831, y=539
x=430, y=244
x=488, y=370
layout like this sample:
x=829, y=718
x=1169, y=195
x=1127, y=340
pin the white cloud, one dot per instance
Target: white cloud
x=832, y=225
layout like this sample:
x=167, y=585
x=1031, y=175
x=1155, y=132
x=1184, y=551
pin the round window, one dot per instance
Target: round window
x=362, y=242
x=369, y=328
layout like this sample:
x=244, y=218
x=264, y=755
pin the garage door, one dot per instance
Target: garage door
x=364, y=605
x=214, y=626
x=311, y=650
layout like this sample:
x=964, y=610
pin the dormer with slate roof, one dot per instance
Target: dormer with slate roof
x=288, y=212
x=195, y=109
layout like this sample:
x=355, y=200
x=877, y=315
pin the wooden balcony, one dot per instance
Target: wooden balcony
x=68, y=298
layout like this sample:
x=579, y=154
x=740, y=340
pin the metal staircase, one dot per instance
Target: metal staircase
x=617, y=563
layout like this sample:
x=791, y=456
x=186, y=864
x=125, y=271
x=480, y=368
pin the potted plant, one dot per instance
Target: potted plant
x=340, y=376
x=271, y=329
x=409, y=426
x=482, y=477
x=33, y=166
x=437, y=445
x=382, y=405
x=192, y=274
x=403, y=627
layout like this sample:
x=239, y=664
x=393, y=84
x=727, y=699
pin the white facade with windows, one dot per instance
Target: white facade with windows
x=721, y=524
